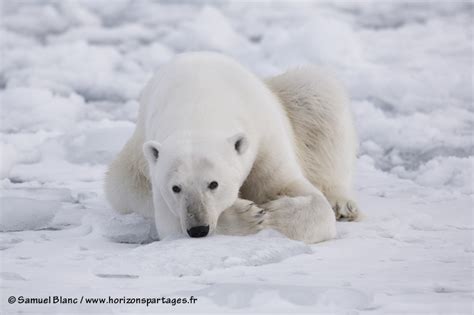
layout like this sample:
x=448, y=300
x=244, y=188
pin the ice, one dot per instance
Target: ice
x=100, y=35
x=70, y=77
x=323, y=48
x=130, y=228
x=212, y=30
x=97, y=142
x=39, y=104
x=38, y=193
x=10, y=276
x=442, y=171
x=20, y=214
x=8, y=159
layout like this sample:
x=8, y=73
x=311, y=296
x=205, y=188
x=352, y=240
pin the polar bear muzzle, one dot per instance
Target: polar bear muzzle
x=197, y=222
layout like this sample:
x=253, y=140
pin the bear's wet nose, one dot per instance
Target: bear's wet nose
x=199, y=231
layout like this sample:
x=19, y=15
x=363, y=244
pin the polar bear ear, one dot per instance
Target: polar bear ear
x=240, y=143
x=151, y=150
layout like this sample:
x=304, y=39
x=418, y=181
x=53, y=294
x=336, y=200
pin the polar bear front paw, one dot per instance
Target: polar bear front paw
x=252, y=215
x=304, y=218
x=243, y=218
x=280, y=211
x=287, y=215
x=346, y=210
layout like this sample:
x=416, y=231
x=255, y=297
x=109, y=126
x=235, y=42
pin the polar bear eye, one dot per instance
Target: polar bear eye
x=176, y=189
x=213, y=185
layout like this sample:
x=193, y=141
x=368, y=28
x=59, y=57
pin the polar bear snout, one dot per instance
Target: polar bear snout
x=198, y=231
x=197, y=222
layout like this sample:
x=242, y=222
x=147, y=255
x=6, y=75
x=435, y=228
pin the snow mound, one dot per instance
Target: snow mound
x=209, y=30
x=442, y=171
x=20, y=214
x=97, y=142
x=131, y=228
x=192, y=257
x=8, y=159
x=321, y=40
x=39, y=104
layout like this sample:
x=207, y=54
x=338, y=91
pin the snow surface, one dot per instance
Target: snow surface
x=70, y=75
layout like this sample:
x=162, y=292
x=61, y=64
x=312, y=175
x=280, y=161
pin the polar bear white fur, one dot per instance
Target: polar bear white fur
x=216, y=149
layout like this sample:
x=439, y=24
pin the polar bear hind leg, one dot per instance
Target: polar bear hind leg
x=325, y=138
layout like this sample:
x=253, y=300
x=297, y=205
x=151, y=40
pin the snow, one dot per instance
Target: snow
x=19, y=214
x=234, y=251
x=70, y=77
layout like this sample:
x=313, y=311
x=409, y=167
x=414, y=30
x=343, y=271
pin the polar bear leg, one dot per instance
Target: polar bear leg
x=302, y=213
x=126, y=187
x=167, y=223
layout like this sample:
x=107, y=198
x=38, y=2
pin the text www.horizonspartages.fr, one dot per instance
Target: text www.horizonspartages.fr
x=57, y=299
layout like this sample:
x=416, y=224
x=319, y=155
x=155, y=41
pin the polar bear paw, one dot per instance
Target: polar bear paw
x=346, y=210
x=243, y=218
x=252, y=214
x=282, y=215
x=280, y=211
x=303, y=218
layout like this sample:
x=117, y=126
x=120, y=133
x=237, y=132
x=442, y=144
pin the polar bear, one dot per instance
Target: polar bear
x=218, y=150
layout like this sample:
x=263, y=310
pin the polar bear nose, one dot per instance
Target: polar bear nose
x=199, y=231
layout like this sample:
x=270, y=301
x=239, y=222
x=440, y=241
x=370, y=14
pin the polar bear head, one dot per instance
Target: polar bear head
x=198, y=177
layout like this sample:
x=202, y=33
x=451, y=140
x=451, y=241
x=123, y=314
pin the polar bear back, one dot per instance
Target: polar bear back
x=205, y=92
